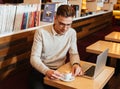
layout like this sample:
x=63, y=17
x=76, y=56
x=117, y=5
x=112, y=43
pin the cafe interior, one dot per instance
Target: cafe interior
x=91, y=27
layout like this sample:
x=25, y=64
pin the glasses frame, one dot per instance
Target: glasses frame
x=63, y=24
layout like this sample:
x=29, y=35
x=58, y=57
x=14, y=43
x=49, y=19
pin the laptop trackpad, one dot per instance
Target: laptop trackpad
x=90, y=71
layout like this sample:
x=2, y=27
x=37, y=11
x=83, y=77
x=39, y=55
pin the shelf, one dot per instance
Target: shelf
x=91, y=15
x=43, y=24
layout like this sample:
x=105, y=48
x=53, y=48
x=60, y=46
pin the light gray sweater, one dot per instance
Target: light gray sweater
x=49, y=49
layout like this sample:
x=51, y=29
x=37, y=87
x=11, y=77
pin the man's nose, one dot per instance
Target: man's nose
x=65, y=27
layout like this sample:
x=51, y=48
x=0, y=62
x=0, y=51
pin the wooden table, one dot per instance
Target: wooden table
x=80, y=82
x=113, y=36
x=100, y=46
x=113, y=53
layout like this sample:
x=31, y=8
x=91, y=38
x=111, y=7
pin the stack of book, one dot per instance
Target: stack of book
x=7, y=14
x=27, y=16
x=19, y=16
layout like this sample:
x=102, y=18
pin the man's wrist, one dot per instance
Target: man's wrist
x=76, y=64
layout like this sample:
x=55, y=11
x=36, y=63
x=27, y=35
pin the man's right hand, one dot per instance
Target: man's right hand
x=53, y=74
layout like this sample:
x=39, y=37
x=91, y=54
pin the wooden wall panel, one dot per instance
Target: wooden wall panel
x=87, y=26
x=13, y=50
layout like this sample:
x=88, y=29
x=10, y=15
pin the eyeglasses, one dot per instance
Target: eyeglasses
x=63, y=24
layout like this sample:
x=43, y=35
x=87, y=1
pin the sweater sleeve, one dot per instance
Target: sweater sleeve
x=74, y=56
x=35, y=59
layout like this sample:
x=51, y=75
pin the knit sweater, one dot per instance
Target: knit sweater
x=49, y=49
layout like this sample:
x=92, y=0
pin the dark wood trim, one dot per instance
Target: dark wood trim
x=87, y=26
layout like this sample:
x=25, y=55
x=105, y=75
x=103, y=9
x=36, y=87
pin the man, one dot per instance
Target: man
x=52, y=43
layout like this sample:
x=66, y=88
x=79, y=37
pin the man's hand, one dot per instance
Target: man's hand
x=77, y=70
x=53, y=74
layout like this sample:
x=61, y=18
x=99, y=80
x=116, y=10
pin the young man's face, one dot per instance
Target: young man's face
x=62, y=24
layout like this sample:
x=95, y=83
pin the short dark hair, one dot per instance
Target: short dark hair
x=65, y=11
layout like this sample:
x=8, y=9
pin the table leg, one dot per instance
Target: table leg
x=106, y=86
x=114, y=62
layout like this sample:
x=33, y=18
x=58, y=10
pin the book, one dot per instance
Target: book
x=7, y=13
x=18, y=17
x=10, y=17
x=31, y=20
x=34, y=16
x=76, y=2
x=100, y=3
x=0, y=18
x=27, y=16
x=37, y=18
x=4, y=18
x=76, y=8
x=24, y=20
x=48, y=12
x=37, y=15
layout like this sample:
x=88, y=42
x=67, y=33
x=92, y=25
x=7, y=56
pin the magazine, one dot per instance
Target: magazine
x=49, y=12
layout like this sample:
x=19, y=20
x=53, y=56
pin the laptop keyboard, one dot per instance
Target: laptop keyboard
x=90, y=71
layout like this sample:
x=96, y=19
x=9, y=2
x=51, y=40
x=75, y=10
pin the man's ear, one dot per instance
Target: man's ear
x=55, y=17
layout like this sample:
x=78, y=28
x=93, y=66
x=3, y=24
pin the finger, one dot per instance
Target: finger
x=81, y=73
x=73, y=71
x=58, y=74
x=77, y=71
x=52, y=78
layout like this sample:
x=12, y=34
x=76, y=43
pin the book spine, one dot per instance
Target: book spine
x=18, y=17
x=31, y=22
x=1, y=10
x=37, y=15
x=10, y=18
x=4, y=18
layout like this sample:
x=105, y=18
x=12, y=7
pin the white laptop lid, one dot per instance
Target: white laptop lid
x=100, y=64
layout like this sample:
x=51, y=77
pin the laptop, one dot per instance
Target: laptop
x=94, y=70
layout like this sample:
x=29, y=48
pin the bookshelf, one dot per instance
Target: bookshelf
x=91, y=5
x=15, y=47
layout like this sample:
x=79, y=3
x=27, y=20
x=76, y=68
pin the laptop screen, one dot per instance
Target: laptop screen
x=93, y=70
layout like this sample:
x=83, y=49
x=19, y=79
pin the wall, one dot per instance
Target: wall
x=15, y=53
x=87, y=26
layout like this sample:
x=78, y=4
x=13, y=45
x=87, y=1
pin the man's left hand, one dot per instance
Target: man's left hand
x=77, y=70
